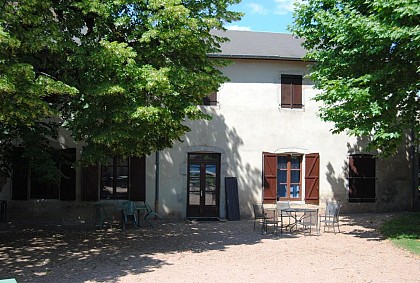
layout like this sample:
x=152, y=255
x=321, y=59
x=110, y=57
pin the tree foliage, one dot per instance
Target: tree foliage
x=121, y=75
x=367, y=64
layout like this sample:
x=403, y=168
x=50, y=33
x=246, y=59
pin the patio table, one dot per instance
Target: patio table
x=296, y=213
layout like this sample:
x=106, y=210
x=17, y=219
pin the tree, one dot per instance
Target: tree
x=367, y=64
x=121, y=75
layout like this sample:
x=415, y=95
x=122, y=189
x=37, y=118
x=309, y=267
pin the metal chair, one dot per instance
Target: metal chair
x=331, y=217
x=261, y=216
x=129, y=211
x=101, y=216
x=308, y=221
x=283, y=214
x=150, y=213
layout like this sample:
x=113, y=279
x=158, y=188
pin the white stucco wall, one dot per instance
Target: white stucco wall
x=248, y=121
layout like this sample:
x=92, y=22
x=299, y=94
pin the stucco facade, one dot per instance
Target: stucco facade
x=246, y=121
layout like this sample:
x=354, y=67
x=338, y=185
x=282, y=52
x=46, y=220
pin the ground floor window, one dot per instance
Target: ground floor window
x=362, y=178
x=27, y=184
x=119, y=178
x=115, y=178
x=289, y=177
x=285, y=174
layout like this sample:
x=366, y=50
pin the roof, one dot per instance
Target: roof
x=260, y=45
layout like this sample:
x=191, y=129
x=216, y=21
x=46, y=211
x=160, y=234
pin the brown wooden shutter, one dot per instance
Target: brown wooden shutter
x=286, y=92
x=90, y=183
x=68, y=181
x=137, y=188
x=269, y=177
x=291, y=91
x=312, y=178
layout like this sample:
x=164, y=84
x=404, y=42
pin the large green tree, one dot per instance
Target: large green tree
x=121, y=75
x=367, y=64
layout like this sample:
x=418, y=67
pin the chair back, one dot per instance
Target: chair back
x=283, y=205
x=258, y=210
x=332, y=210
x=129, y=208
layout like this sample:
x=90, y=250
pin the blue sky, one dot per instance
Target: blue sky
x=264, y=15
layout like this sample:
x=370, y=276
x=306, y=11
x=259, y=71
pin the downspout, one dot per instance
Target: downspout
x=414, y=169
x=156, y=181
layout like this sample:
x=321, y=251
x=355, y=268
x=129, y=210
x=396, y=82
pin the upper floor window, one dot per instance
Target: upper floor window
x=291, y=91
x=211, y=99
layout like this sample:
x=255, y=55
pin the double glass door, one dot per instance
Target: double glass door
x=203, y=185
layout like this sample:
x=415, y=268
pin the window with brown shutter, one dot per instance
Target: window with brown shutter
x=362, y=178
x=291, y=91
x=210, y=100
x=282, y=177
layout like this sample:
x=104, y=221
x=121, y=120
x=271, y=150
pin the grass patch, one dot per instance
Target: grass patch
x=404, y=231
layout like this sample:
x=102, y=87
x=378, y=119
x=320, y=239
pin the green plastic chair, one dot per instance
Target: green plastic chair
x=150, y=213
x=129, y=213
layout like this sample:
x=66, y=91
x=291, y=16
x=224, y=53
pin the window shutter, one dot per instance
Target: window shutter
x=312, y=178
x=362, y=178
x=291, y=91
x=286, y=92
x=269, y=177
x=68, y=181
x=20, y=180
x=137, y=189
x=90, y=183
x=210, y=99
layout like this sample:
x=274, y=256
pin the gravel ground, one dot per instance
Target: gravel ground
x=203, y=251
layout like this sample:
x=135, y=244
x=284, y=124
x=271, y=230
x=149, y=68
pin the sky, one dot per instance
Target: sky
x=264, y=15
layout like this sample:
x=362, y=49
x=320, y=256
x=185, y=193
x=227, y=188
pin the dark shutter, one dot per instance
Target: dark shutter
x=90, y=183
x=232, y=199
x=291, y=91
x=210, y=99
x=362, y=178
x=312, y=178
x=68, y=180
x=269, y=178
x=137, y=188
x=20, y=180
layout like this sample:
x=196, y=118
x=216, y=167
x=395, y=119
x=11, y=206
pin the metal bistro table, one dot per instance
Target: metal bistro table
x=301, y=215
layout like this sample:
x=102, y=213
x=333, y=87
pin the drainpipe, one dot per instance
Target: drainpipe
x=414, y=169
x=156, y=181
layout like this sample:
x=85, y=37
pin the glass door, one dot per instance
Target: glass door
x=203, y=185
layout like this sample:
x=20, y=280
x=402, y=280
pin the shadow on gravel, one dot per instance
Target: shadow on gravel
x=44, y=253
x=36, y=253
x=365, y=225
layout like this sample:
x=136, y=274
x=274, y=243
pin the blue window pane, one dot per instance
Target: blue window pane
x=295, y=160
x=295, y=175
x=281, y=191
x=282, y=162
x=294, y=191
x=282, y=176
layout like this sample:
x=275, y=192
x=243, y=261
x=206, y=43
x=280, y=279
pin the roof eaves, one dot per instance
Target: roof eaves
x=258, y=57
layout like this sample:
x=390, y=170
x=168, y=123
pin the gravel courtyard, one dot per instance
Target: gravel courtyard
x=203, y=251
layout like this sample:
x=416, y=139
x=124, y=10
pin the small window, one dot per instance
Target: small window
x=362, y=178
x=291, y=91
x=210, y=100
